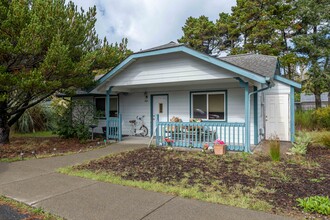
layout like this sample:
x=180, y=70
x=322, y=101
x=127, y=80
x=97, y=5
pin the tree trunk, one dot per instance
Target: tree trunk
x=4, y=127
x=318, y=100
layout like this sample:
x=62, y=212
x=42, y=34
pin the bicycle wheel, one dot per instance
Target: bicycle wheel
x=144, y=131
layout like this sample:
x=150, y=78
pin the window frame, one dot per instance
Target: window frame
x=207, y=93
x=104, y=97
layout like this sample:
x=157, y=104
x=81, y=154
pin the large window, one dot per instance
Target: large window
x=209, y=106
x=100, y=106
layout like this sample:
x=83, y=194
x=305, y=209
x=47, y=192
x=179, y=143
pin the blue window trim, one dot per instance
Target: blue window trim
x=210, y=91
x=152, y=110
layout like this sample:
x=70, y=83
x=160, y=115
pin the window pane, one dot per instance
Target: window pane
x=113, y=107
x=199, y=106
x=217, y=106
x=100, y=107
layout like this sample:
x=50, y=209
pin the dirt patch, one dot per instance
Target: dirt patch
x=277, y=183
x=42, y=146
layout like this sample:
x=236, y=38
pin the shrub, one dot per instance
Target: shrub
x=38, y=118
x=74, y=119
x=322, y=117
x=302, y=140
x=325, y=140
x=318, y=204
x=274, y=149
x=304, y=120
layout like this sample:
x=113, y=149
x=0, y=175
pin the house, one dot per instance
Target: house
x=240, y=99
x=307, y=101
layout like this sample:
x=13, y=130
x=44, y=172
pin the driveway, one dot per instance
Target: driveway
x=36, y=183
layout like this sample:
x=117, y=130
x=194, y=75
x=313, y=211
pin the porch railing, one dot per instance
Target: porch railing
x=196, y=134
x=115, y=128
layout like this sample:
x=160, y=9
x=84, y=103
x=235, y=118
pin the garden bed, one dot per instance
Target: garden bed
x=243, y=180
x=44, y=147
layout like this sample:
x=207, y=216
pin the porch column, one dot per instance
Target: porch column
x=107, y=112
x=292, y=111
x=247, y=116
x=245, y=85
x=255, y=111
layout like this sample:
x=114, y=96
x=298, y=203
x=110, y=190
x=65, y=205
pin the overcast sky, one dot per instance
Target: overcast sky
x=149, y=23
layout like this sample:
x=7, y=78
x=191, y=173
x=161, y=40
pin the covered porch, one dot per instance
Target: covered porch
x=233, y=128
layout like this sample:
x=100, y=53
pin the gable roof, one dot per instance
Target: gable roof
x=250, y=66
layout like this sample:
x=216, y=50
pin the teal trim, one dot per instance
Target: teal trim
x=107, y=111
x=152, y=110
x=255, y=111
x=157, y=130
x=210, y=91
x=287, y=81
x=292, y=114
x=120, y=127
x=184, y=49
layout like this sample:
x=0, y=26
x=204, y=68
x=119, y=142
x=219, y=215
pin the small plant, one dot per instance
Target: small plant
x=325, y=140
x=169, y=142
x=218, y=141
x=315, y=204
x=274, y=148
x=301, y=143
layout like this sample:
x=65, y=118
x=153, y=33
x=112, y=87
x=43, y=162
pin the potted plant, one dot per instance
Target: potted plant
x=219, y=147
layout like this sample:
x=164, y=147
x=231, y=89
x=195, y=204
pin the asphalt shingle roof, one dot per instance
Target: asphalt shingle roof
x=261, y=64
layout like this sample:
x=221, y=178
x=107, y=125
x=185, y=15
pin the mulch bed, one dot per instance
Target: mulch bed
x=288, y=178
x=45, y=146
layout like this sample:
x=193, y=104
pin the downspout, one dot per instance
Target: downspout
x=270, y=84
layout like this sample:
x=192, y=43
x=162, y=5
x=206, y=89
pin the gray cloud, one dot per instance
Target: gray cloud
x=148, y=23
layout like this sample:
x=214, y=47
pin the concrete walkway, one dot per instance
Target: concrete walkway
x=36, y=183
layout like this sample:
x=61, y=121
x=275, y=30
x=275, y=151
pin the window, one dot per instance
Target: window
x=160, y=108
x=208, y=106
x=100, y=106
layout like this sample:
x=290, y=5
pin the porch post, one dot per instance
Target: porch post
x=157, y=130
x=255, y=111
x=292, y=111
x=245, y=85
x=107, y=112
x=247, y=116
x=120, y=128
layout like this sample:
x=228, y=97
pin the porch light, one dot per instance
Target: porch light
x=145, y=97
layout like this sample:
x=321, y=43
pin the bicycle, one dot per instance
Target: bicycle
x=138, y=127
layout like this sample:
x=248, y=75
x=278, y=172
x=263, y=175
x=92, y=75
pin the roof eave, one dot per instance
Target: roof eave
x=287, y=81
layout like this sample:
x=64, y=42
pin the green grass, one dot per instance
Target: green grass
x=21, y=207
x=36, y=134
x=233, y=196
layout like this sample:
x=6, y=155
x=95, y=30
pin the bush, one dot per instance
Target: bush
x=274, y=149
x=322, y=117
x=302, y=140
x=318, y=204
x=325, y=141
x=74, y=119
x=304, y=120
x=38, y=118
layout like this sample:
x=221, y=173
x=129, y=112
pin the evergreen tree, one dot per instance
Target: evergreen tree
x=45, y=46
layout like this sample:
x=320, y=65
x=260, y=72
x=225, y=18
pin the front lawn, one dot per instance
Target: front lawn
x=238, y=179
x=11, y=209
x=26, y=147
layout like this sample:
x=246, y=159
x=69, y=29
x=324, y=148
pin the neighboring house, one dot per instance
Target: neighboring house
x=241, y=99
x=307, y=102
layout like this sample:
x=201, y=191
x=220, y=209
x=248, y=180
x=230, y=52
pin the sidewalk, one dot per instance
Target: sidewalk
x=36, y=183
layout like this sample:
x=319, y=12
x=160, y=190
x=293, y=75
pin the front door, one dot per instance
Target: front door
x=160, y=107
x=277, y=117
